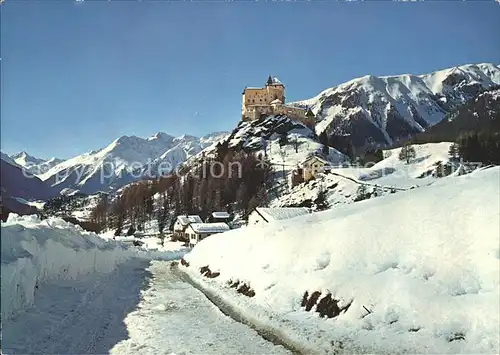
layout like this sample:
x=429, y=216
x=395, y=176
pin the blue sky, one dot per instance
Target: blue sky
x=75, y=76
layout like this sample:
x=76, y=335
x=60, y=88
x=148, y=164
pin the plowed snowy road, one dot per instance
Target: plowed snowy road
x=139, y=309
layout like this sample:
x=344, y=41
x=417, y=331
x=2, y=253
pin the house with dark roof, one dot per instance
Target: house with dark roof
x=220, y=216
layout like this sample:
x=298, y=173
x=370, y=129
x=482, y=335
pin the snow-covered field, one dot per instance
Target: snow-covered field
x=419, y=269
x=342, y=185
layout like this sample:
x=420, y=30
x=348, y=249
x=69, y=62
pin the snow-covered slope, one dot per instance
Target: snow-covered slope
x=388, y=108
x=345, y=185
x=264, y=137
x=125, y=160
x=35, y=166
x=413, y=272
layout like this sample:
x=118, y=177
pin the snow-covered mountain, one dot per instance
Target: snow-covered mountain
x=481, y=114
x=18, y=187
x=8, y=159
x=33, y=164
x=389, y=108
x=22, y=184
x=127, y=159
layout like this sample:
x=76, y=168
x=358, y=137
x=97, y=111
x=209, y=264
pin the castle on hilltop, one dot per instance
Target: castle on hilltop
x=270, y=100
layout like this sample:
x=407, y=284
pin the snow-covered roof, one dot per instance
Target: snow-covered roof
x=315, y=157
x=185, y=220
x=276, y=214
x=276, y=81
x=220, y=214
x=277, y=101
x=218, y=227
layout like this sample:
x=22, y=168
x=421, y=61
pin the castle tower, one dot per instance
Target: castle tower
x=275, y=90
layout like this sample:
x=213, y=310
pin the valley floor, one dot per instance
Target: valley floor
x=140, y=308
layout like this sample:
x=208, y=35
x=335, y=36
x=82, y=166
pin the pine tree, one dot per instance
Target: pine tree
x=453, y=152
x=323, y=139
x=407, y=153
x=162, y=213
x=283, y=139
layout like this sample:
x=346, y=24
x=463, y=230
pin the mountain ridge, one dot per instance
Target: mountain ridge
x=124, y=160
x=372, y=110
x=382, y=110
x=34, y=165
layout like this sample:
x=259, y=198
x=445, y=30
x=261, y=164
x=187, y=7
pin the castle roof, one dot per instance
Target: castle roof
x=273, y=81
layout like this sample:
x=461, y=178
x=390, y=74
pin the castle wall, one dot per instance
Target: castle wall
x=256, y=97
x=290, y=111
x=254, y=112
x=263, y=96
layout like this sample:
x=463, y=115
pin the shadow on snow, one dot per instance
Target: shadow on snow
x=84, y=316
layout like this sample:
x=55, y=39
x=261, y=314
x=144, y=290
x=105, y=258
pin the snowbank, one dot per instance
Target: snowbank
x=420, y=270
x=35, y=252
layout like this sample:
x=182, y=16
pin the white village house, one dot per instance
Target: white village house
x=308, y=169
x=183, y=222
x=261, y=215
x=199, y=231
x=313, y=165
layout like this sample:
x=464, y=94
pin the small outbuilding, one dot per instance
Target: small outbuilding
x=218, y=217
x=199, y=231
x=261, y=215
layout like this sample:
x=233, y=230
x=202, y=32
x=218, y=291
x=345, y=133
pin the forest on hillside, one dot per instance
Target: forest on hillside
x=232, y=182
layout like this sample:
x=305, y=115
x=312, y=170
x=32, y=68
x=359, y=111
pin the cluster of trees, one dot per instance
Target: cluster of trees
x=343, y=143
x=483, y=147
x=370, y=156
x=63, y=205
x=294, y=141
x=232, y=181
x=134, y=204
x=369, y=153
